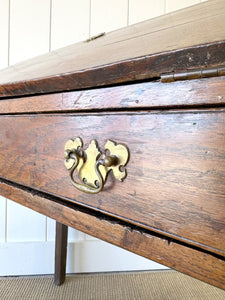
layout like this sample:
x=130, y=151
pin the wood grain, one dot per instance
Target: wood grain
x=203, y=92
x=137, y=52
x=61, y=237
x=171, y=206
x=176, y=172
x=191, y=261
x=134, y=69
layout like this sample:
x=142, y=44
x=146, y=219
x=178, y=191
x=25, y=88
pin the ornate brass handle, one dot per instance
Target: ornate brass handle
x=93, y=165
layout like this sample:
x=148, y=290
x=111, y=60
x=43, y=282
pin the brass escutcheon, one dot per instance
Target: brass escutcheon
x=93, y=165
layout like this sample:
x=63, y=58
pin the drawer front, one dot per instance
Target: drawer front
x=175, y=176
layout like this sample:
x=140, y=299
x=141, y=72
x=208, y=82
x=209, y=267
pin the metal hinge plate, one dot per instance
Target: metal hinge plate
x=193, y=74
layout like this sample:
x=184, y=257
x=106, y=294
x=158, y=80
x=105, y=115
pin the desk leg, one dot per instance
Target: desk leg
x=60, y=253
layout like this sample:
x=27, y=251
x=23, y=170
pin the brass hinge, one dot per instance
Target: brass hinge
x=193, y=74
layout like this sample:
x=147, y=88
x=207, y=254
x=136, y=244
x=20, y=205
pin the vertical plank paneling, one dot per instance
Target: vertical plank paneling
x=172, y=5
x=4, y=29
x=50, y=230
x=70, y=22
x=140, y=10
x=75, y=235
x=108, y=15
x=26, y=259
x=29, y=29
x=24, y=224
x=99, y=256
x=2, y=219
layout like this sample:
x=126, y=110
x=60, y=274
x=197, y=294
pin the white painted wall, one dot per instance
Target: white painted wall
x=29, y=28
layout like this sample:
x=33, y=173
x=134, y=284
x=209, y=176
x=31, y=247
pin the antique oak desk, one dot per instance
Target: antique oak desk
x=144, y=105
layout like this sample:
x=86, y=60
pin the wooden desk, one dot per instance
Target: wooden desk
x=163, y=99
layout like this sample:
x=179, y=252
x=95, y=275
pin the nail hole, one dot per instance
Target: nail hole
x=84, y=180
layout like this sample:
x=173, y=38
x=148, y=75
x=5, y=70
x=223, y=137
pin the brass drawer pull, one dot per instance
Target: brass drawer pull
x=93, y=165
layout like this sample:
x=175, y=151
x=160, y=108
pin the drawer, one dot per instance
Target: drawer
x=175, y=181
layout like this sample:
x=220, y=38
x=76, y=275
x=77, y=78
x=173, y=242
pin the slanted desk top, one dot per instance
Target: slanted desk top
x=156, y=87
x=176, y=41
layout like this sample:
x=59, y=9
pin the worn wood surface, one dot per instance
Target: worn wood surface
x=192, y=261
x=134, y=69
x=60, y=253
x=189, y=38
x=202, y=92
x=175, y=183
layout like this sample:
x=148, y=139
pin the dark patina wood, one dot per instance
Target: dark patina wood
x=171, y=206
x=60, y=253
x=180, y=256
x=147, y=95
x=179, y=153
x=141, y=68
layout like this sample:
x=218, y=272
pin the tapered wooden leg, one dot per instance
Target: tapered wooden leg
x=60, y=253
